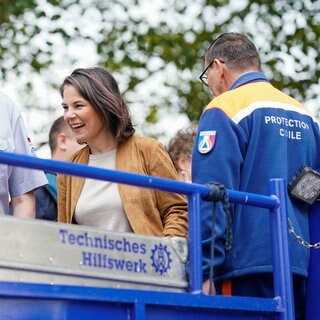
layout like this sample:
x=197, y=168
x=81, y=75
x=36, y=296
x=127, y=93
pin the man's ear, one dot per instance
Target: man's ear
x=224, y=76
x=62, y=141
x=220, y=67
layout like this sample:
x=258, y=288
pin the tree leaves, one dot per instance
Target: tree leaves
x=156, y=49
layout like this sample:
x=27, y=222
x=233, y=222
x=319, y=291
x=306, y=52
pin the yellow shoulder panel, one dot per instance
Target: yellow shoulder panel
x=233, y=101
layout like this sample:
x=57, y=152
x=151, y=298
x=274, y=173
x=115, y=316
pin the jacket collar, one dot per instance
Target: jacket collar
x=249, y=78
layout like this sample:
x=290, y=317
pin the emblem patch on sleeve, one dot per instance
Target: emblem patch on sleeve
x=32, y=148
x=206, y=141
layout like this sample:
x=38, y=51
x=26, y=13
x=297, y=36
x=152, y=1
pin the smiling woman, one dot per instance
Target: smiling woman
x=97, y=114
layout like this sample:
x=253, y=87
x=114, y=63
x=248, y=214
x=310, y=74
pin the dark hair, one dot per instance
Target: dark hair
x=236, y=50
x=182, y=144
x=101, y=89
x=58, y=126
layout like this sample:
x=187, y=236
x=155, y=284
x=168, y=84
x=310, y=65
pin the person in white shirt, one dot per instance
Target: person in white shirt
x=16, y=183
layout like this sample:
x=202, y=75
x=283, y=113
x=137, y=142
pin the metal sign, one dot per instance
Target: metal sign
x=38, y=251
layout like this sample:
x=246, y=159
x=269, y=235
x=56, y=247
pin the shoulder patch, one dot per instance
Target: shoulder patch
x=32, y=148
x=206, y=141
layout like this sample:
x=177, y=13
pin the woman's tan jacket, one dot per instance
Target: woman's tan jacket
x=150, y=212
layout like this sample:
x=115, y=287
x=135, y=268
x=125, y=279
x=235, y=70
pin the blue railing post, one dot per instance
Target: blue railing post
x=282, y=277
x=195, y=253
x=313, y=280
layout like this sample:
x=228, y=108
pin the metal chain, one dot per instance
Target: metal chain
x=300, y=240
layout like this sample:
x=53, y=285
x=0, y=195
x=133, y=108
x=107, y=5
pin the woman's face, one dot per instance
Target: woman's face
x=82, y=117
x=184, y=171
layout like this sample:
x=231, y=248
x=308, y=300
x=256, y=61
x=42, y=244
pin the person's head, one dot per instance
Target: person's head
x=62, y=141
x=180, y=150
x=228, y=57
x=94, y=107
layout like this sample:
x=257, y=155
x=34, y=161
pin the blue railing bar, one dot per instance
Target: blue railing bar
x=129, y=178
x=279, y=240
x=253, y=199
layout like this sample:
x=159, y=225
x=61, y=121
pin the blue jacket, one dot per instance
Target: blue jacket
x=46, y=199
x=246, y=136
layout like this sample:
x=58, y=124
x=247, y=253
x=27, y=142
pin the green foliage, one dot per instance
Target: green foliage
x=164, y=47
x=14, y=9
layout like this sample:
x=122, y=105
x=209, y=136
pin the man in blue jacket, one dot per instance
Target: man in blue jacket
x=249, y=133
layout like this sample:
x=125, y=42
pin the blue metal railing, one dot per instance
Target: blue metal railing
x=275, y=203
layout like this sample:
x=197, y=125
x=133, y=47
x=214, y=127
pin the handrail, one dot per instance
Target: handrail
x=133, y=179
x=278, y=218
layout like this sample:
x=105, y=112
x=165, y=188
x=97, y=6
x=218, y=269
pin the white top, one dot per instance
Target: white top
x=99, y=204
x=15, y=181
